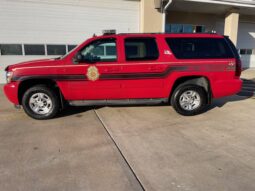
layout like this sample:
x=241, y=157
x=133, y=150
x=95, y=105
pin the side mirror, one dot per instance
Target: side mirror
x=78, y=57
x=89, y=58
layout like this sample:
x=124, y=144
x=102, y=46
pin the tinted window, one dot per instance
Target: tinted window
x=11, y=49
x=141, y=49
x=100, y=50
x=232, y=46
x=34, y=49
x=199, y=48
x=56, y=49
x=110, y=50
x=71, y=47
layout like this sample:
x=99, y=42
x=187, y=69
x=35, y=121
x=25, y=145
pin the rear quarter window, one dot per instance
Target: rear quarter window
x=199, y=48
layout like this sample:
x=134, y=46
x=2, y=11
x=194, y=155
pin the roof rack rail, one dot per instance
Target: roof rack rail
x=211, y=32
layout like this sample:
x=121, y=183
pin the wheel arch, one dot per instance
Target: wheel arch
x=201, y=81
x=28, y=83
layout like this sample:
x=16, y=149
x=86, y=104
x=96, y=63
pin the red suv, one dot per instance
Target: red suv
x=185, y=70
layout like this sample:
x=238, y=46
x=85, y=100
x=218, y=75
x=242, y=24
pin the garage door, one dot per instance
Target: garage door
x=65, y=21
x=58, y=25
x=246, y=43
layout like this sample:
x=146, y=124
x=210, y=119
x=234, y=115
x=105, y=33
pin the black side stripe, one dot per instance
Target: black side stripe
x=58, y=77
x=113, y=76
x=134, y=76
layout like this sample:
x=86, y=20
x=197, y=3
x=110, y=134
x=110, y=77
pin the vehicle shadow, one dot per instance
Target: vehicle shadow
x=71, y=110
x=222, y=101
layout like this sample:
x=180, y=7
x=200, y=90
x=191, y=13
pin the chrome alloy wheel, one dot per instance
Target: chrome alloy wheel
x=40, y=103
x=190, y=100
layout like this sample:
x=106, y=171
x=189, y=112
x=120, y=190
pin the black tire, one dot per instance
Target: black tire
x=52, y=95
x=178, y=92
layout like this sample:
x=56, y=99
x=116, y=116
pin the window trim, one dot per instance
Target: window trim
x=149, y=60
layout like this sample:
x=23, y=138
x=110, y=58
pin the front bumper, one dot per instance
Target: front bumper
x=227, y=87
x=11, y=92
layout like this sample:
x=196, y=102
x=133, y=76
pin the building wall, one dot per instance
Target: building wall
x=245, y=36
x=65, y=21
x=209, y=20
x=246, y=42
x=151, y=18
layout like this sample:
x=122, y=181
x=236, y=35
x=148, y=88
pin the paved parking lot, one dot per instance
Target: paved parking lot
x=130, y=148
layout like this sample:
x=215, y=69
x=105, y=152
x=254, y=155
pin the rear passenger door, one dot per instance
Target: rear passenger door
x=141, y=74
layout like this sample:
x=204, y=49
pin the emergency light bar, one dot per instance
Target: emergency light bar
x=109, y=32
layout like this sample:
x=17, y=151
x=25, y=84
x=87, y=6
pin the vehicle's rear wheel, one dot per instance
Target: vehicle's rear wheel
x=189, y=100
x=40, y=102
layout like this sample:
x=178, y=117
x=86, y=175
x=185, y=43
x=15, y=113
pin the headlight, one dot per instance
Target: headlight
x=9, y=76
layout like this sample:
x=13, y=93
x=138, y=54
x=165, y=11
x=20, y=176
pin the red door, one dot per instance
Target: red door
x=99, y=60
x=142, y=73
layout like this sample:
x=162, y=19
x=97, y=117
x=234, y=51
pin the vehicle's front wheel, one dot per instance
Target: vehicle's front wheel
x=189, y=100
x=40, y=102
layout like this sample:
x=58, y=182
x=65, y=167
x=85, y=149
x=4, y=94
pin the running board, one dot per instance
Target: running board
x=118, y=102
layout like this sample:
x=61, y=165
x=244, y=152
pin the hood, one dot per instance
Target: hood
x=33, y=63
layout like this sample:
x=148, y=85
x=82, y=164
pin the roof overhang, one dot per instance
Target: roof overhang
x=237, y=3
x=213, y=6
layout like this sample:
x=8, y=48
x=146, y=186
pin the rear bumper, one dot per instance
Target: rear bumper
x=226, y=87
x=11, y=92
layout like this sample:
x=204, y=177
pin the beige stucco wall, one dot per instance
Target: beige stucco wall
x=231, y=26
x=151, y=18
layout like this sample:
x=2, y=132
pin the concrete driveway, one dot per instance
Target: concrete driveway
x=130, y=148
x=73, y=152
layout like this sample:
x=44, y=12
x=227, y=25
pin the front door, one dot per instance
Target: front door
x=99, y=59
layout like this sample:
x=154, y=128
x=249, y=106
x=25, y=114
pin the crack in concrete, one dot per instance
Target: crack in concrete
x=118, y=148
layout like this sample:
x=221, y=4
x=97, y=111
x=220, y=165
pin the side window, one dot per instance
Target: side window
x=199, y=48
x=34, y=49
x=141, y=49
x=103, y=50
x=10, y=49
x=56, y=49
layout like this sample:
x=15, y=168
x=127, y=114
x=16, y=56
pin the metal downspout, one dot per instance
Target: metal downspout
x=164, y=15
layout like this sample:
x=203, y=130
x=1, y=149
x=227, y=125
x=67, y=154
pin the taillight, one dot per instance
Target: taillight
x=238, y=67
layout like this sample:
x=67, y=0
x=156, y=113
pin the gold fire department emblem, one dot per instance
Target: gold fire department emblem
x=92, y=73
